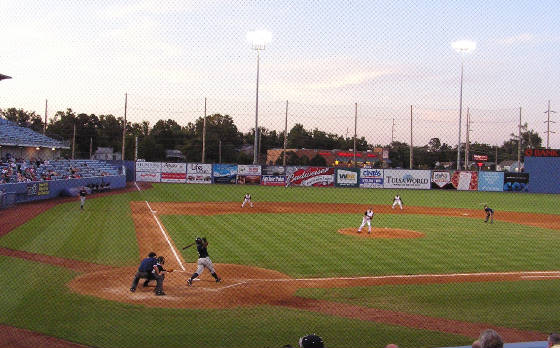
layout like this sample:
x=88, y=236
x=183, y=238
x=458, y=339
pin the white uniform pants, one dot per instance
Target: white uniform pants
x=82, y=200
x=398, y=201
x=365, y=221
x=245, y=201
x=204, y=262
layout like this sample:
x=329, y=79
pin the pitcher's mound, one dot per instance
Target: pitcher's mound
x=382, y=232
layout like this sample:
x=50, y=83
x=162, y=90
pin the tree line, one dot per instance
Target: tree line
x=226, y=144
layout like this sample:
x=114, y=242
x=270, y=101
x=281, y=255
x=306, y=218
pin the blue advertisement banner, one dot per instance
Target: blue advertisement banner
x=491, y=181
x=224, y=173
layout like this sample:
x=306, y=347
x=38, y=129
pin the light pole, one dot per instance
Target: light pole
x=258, y=40
x=461, y=46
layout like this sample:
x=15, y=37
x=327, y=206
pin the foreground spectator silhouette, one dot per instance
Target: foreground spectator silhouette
x=490, y=339
x=311, y=341
x=553, y=340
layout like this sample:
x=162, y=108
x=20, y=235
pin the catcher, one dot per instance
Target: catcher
x=159, y=275
x=203, y=261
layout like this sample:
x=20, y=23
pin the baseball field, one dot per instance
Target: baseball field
x=430, y=275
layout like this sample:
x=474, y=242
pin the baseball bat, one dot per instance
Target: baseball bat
x=188, y=246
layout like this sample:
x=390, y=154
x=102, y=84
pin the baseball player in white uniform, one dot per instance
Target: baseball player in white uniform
x=397, y=200
x=247, y=199
x=368, y=215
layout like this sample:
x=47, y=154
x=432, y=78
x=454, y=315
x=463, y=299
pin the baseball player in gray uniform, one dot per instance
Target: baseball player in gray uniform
x=203, y=261
x=247, y=199
x=397, y=200
x=368, y=215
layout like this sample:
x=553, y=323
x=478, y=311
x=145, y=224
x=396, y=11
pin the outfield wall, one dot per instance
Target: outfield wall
x=40, y=190
x=460, y=180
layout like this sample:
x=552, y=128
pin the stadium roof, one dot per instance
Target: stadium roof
x=4, y=77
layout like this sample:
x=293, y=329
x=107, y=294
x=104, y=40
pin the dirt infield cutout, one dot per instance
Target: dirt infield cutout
x=381, y=232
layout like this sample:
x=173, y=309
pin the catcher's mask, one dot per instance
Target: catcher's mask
x=161, y=260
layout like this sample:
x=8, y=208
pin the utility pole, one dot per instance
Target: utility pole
x=74, y=139
x=260, y=147
x=285, y=134
x=90, y=146
x=393, y=132
x=124, y=126
x=519, y=144
x=496, y=159
x=548, y=121
x=45, y=125
x=220, y=151
x=355, y=129
x=204, y=133
x=135, y=148
x=411, y=147
x=467, y=141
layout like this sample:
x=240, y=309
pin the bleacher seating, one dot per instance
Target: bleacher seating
x=54, y=170
x=13, y=135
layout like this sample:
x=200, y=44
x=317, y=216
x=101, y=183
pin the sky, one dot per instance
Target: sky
x=331, y=60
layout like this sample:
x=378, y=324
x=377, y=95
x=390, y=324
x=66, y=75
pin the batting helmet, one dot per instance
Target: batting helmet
x=198, y=240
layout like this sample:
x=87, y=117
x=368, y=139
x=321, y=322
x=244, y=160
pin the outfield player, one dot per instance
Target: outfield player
x=83, y=194
x=247, y=199
x=397, y=200
x=203, y=261
x=489, y=213
x=368, y=215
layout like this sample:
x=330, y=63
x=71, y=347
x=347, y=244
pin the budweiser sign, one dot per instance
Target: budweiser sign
x=312, y=176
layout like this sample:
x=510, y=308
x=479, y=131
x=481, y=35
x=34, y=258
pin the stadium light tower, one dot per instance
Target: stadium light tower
x=463, y=47
x=258, y=40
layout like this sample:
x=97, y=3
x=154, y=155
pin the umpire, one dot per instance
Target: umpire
x=145, y=271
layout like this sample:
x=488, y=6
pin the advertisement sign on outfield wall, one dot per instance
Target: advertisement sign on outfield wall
x=174, y=172
x=441, y=180
x=371, y=178
x=274, y=170
x=199, y=173
x=516, y=182
x=464, y=180
x=151, y=167
x=310, y=176
x=346, y=177
x=224, y=173
x=407, y=179
x=273, y=180
x=491, y=181
x=148, y=176
x=248, y=174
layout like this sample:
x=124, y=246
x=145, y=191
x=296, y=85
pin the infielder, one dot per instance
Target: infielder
x=83, y=194
x=203, y=261
x=247, y=199
x=368, y=215
x=489, y=213
x=397, y=200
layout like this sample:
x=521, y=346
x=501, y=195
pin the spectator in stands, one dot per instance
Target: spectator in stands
x=476, y=344
x=490, y=339
x=553, y=340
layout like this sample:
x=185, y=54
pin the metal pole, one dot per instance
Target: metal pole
x=548, y=121
x=135, y=149
x=411, y=147
x=255, y=148
x=393, y=132
x=496, y=159
x=460, y=115
x=124, y=125
x=90, y=146
x=45, y=125
x=285, y=134
x=519, y=144
x=220, y=151
x=74, y=139
x=467, y=141
x=355, y=129
x=204, y=134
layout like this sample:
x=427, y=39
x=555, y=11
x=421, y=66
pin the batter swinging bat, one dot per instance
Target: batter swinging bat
x=188, y=246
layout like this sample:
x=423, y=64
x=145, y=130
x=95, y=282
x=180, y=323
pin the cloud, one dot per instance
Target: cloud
x=517, y=39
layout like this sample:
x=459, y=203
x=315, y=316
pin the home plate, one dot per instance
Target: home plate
x=465, y=214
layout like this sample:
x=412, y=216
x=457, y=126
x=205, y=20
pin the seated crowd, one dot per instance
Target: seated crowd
x=17, y=170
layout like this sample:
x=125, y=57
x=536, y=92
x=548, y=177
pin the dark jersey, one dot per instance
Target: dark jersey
x=147, y=265
x=82, y=193
x=488, y=210
x=202, y=250
x=159, y=267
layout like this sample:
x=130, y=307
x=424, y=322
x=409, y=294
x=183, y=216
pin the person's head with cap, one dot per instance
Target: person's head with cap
x=311, y=341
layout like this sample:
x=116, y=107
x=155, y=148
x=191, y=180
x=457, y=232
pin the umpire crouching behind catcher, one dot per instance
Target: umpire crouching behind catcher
x=203, y=261
x=144, y=271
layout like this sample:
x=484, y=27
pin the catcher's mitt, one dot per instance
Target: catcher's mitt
x=170, y=270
